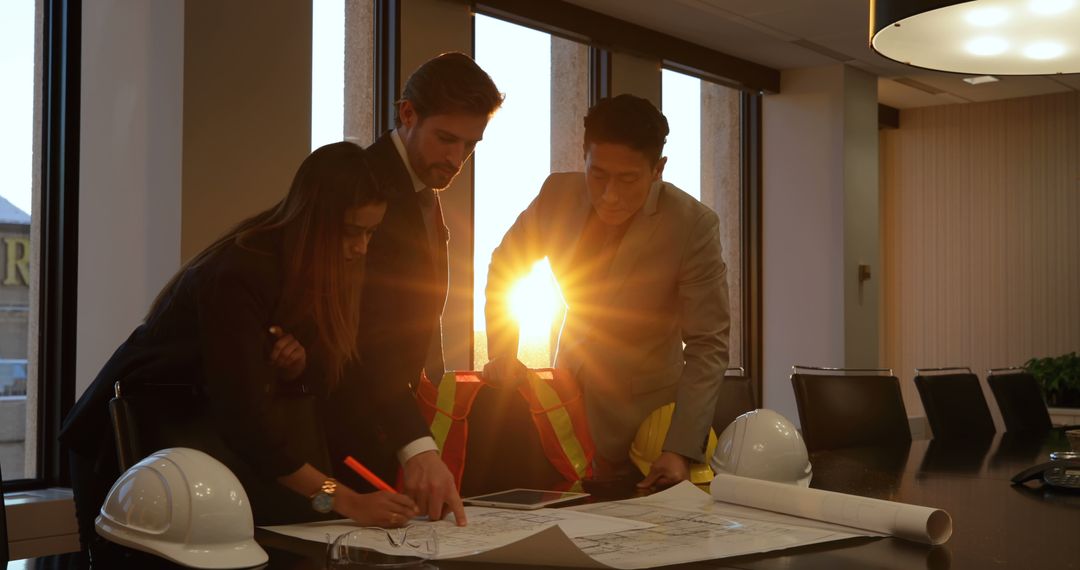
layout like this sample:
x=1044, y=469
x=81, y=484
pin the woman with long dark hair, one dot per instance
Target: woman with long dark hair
x=257, y=331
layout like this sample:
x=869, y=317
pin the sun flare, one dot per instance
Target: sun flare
x=535, y=302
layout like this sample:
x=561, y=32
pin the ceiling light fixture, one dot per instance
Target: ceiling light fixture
x=986, y=17
x=986, y=37
x=979, y=80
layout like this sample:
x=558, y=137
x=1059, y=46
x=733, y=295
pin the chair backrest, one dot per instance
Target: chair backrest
x=4, y=554
x=125, y=433
x=1020, y=400
x=145, y=416
x=954, y=403
x=736, y=398
x=849, y=408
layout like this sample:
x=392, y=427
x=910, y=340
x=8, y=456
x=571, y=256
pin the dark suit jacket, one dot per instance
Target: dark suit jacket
x=404, y=292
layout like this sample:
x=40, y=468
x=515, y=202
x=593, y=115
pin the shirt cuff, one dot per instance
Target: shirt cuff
x=416, y=447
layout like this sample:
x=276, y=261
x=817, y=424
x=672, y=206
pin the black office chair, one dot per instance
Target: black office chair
x=736, y=398
x=954, y=403
x=176, y=410
x=1019, y=399
x=4, y=553
x=849, y=407
x=169, y=405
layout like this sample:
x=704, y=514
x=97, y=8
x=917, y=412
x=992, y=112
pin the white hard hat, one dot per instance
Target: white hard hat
x=763, y=444
x=183, y=505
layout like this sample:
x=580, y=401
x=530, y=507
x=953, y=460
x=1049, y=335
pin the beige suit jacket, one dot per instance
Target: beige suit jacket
x=661, y=333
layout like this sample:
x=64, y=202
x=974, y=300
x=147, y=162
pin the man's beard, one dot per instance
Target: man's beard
x=439, y=177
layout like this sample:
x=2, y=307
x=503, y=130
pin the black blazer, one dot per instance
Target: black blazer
x=404, y=292
x=212, y=334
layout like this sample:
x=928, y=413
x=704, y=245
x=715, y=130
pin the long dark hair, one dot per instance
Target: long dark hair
x=311, y=218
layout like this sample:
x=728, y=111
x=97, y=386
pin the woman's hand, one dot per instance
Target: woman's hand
x=287, y=354
x=382, y=508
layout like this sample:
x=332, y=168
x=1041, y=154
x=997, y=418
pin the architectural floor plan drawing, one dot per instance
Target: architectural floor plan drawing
x=678, y=536
x=488, y=529
x=681, y=524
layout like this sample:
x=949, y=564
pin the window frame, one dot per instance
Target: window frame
x=58, y=242
x=604, y=34
x=387, y=65
x=749, y=220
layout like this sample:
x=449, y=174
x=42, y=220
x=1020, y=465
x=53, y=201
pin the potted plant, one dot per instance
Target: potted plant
x=1059, y=378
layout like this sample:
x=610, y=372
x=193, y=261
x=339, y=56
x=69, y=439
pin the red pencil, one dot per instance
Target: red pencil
x=368, y=475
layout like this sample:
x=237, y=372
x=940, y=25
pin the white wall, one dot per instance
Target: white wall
x=247, y=110
x=637, y=75
x=862, y=221
x=813, y=201
x=129, y=179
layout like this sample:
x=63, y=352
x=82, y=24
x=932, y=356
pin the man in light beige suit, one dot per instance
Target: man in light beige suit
x=639, y=264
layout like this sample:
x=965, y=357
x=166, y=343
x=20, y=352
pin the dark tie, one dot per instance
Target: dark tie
x=431, y=213
x=426, y=198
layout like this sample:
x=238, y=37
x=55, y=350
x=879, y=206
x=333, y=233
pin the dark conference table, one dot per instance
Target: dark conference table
x=995, y=524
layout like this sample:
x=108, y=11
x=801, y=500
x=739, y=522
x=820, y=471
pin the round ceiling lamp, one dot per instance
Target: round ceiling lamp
x=990, y=37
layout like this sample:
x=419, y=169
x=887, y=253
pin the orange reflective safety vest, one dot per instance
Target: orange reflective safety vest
x=558, y=412
x=446, y=410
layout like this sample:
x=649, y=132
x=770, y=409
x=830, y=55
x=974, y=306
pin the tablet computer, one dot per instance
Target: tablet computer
x=523, y=499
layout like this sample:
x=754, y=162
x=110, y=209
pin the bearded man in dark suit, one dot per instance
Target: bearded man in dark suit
x=441, y=116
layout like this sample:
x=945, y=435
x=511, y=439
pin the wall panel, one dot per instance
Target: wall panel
x=980, y=211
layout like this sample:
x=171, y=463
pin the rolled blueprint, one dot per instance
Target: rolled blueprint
x=910, y=522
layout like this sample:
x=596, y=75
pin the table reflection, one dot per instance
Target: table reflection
x=996, y=524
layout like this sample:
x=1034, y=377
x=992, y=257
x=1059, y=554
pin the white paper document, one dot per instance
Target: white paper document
x=681, y=524
x=490, y=531
x=688, y=526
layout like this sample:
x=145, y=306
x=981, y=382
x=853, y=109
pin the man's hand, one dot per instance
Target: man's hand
x=504, y=372
x=429, y=482
x=668, y=469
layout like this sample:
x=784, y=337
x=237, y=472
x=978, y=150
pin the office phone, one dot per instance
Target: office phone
x=1062, y=473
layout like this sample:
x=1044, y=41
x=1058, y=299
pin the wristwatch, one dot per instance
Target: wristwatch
x=323, y=500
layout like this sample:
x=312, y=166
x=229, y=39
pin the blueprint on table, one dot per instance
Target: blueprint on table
x=681, y=524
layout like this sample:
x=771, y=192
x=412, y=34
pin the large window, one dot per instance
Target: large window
x=327, y=72
x=536, y=132
x=342, y=71
x=704, y=151
x=17, y=25
x=547, y=80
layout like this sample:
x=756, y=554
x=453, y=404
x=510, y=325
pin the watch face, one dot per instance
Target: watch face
x=322, y=502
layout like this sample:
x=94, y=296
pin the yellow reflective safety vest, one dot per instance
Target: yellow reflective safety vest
x=446, y=410
x=558, y=413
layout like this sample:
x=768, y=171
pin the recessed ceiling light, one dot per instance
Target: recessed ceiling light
x=1050, y=7
x=985, y=17
x=980, y=79
x=1044, y=50
x=986, y=46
